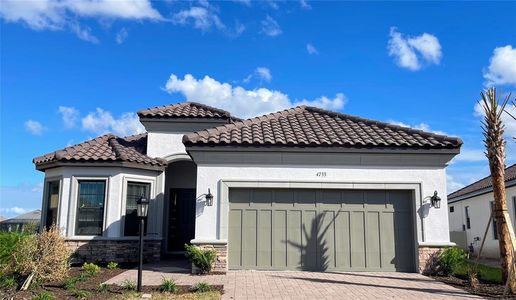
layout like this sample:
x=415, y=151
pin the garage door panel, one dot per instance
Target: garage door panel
x=341, y=230
x=357, y=240
x=235, y=236
x=249, y=226
x=264, y=245
x=279, y=239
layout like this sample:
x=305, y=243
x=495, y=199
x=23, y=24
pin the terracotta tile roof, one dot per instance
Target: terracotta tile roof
x=185, y=110
x=106, y=148
x=304, y=126
x=483, y=184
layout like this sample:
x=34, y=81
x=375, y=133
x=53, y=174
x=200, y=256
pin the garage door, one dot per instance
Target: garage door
x=321, y=230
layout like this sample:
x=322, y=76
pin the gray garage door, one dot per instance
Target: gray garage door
x=321, y=230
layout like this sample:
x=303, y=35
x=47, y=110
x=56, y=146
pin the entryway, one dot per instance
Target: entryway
x=180, y=186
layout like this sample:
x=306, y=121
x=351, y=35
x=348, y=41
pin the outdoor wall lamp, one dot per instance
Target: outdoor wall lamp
x=435, y=200
x=209, y=198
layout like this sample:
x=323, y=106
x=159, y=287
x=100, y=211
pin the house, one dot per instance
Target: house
x=303, y=188
x=29, y=220
x=469, y=211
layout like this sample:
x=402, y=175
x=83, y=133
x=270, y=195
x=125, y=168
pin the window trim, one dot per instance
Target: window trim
x=72, y=220
x=44, y=202
x=152, y=193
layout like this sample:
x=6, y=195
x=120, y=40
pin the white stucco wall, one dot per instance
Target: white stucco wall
x=434, y=227
x=114, y=206
x=479, y=210
x=160, y=144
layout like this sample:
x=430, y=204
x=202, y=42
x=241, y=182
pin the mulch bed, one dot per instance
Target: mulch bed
x=90, y=285
x=485, y=289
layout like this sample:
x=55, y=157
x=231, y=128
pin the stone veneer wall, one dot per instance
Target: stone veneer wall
x=104, y=251
x=428, y=258
x=221, y=261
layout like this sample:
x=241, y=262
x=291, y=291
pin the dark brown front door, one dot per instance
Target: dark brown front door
x=181, y=218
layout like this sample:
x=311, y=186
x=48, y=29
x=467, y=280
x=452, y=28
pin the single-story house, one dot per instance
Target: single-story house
x=29, y=220
x=303, y=188
x=469, y=211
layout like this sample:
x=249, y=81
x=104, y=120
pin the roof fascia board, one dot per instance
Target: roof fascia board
x=487, y=190
x=44, y=166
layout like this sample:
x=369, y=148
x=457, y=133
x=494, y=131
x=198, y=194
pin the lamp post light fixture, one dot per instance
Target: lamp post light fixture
x=209, y=198
x=435, y=200
x=142, y=209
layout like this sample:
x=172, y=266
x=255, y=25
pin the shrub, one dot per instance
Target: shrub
x=112, y=265
x=201, y=287
x=129, y=285
x=69, y=283
x=9, y=242
x=80, y=294
x=91, y=268
x=201, y=258
x=103, y=287
x=45, y=295
x=168, y=285
x=450, y=258
x=45, y=255
x=7, y=282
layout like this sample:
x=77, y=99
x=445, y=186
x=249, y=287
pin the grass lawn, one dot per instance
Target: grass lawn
x=215, y=295
x=485, y=273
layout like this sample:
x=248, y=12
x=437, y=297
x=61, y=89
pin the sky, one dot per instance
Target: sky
x=73, y=70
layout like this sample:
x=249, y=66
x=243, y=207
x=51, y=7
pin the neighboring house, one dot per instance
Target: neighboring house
x=29, y=220
x=302, y=188
x=470, y=208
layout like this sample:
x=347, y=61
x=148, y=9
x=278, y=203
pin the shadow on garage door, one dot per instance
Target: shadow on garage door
x=321, y=230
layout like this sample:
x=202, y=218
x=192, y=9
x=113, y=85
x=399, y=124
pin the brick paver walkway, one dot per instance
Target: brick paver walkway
x=312, y=285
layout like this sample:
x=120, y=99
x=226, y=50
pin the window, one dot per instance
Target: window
x=452, y=209
x=495, y=229
x=52, y=203
x=134, y=191
x=468, y=220
x=90, y=207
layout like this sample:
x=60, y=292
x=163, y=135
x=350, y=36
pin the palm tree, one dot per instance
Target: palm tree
x=493, y=129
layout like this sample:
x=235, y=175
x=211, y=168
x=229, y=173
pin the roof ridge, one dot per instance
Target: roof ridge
x=384, y=124
x=483, y=178
x=222, y=112
x=115, y=145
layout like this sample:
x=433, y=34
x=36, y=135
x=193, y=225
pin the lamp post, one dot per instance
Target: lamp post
x=142, y=208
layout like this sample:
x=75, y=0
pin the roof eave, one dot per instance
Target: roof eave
x=124, y=164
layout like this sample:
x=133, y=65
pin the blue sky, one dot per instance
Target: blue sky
x=72, y=70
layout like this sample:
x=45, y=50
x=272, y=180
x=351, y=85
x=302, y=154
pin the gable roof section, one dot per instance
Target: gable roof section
x=482, y=186
x=185, y=110
x=106, y=148
x=305, y=126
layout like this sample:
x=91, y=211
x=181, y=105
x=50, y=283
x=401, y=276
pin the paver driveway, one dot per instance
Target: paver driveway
x=311, y=285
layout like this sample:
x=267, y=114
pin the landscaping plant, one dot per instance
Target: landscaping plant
x=80, y=294
x=45, y=295
x=203, y=259
x=103, y=287
x=91, y=268
x=450, y=258
x=129, y=285
x=201, y=287
x=112, y=265
x=168, y=285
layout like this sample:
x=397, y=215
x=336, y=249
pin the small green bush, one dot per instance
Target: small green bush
x=129, y=285
x=450, y=258
x=69, y=283
x=168, y=285
x=9, y=242
x=201, y=258
x=112, y=265
x=80, y=294
x=201, y=287
x=7, y=282
x=91, y=268
x=103, y=287
x=45, y=295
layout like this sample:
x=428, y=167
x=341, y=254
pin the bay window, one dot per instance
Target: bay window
x=90, y=207
x=52, y=203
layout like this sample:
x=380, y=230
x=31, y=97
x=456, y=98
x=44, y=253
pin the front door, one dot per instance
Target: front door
x=181, y=218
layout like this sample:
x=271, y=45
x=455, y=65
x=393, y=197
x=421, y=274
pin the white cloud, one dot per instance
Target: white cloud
x=270, y=27
x=244, y=2
x=420, y=126
x=311, y=49
x=200, y=17
x=64, y=14
x=502, y=67
x=102, y=122
x=471, y=155
x=121, y=36
x=70, y=115
x=264, y=73
x=20, y=199
x=34, y=127
x=414, y=52
x=15, y=210
x=304, y=4
x=452, y=184
x=242, y=102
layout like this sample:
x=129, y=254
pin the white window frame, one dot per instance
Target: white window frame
x=123, y=202
x=75, y=199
